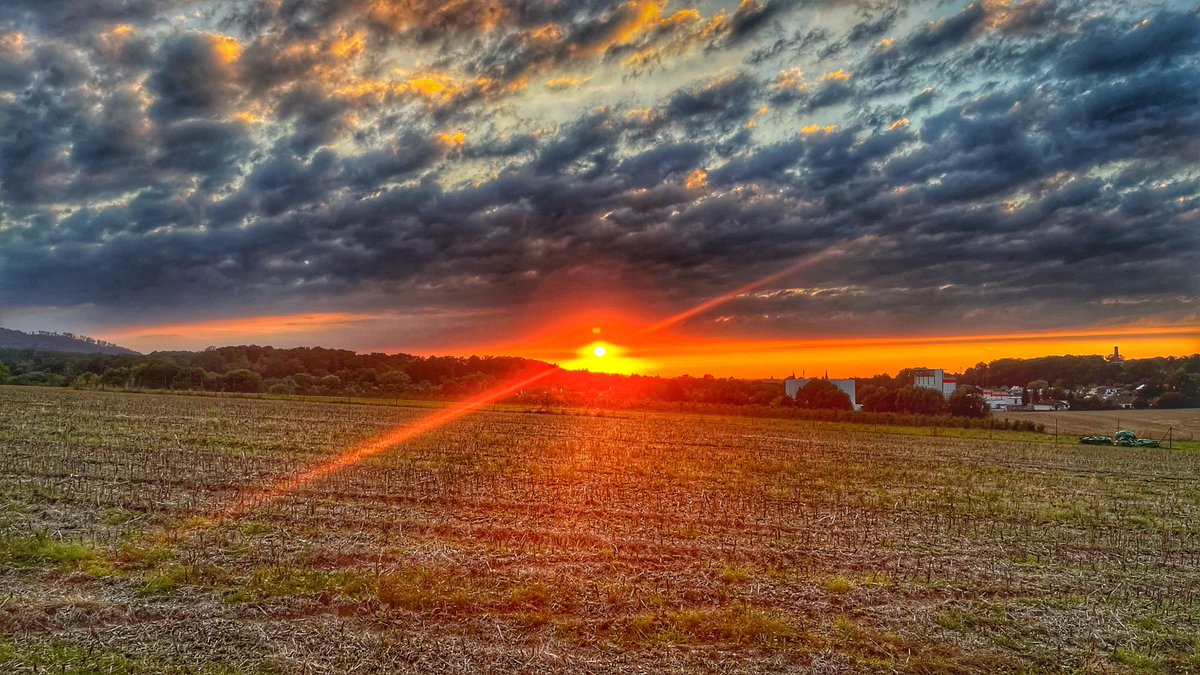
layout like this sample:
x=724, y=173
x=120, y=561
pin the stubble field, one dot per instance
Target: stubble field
x=515, y=542
x=1183, y=425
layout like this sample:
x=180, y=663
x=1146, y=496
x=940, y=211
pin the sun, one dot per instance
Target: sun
x=605, y=357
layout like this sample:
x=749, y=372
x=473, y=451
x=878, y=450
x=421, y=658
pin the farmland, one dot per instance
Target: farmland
x=510, y=541
x=1145, y=423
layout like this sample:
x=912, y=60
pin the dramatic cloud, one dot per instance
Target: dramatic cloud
x=987, y=165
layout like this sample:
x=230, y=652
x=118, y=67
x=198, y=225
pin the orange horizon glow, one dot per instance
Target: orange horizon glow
x=858, y=356
x=867, y=356
x=243, y=326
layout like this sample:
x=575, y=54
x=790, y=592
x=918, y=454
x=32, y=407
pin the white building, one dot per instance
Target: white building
x=935, y=379
x=793, y=385
x=1001, y=399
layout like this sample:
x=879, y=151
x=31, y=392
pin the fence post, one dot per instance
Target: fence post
x=1170, y=437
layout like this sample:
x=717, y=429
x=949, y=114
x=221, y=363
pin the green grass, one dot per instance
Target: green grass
x=173, y=578
x=284, y=581
x=40, y=550
x=418, y=589
x=838, y=585
x=64, y=658
x=736, y=625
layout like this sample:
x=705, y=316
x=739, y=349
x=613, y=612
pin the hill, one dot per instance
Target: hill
x=44, y=341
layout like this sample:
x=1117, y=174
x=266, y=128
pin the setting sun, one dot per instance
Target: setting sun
x=604, y=357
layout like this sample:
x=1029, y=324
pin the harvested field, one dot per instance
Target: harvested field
x=1144, y=423
x=516, y=542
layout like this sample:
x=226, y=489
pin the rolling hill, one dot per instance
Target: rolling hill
x=58, y=342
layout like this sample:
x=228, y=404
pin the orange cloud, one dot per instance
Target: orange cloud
x=347, y=46
x=818, y=129
x=435, y=87
x=454, y=140
x=226, y=48
x=561, y=83
x=443, y=15
x=791, y=78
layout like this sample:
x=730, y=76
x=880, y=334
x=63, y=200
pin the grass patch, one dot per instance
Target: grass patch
x=420, y=590
x=116, y=516
x=988, y=616
x=838, y=585
x=40, y=550
x=1139, y=659
x=737, y=624
x=58, y=657
x=285, y=581
x=732, y=574
x=173, y=578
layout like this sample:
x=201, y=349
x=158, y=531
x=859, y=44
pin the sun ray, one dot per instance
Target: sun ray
x=380, y=444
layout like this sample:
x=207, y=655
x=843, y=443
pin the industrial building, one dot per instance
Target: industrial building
x=793, y=385
x=935, y=379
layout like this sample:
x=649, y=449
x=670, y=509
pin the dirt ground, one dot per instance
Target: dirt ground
x=516, y=542
x=1144, y=423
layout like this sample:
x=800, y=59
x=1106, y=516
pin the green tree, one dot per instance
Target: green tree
x=86, y=381
x=880, y=400
x=1171, y=399
x=190, y=378
x=1188, y=385
x=115, y=377
x=966, y=401
x=4, y=373
x=823, y=395
x=920, y=401
x=157, y=374
x=394, y=383
x=242, y=380
x=284, y=385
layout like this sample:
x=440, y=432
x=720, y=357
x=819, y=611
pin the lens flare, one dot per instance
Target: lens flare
x=381, y=443
x=599, y=357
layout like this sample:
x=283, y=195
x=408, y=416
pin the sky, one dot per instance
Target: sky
x=748, y=188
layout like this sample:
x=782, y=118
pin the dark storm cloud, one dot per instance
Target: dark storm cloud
x=207, y=148
x=74, y=17
x=1012, y=160
x=724, y=100
x=116, y=138
x=798, y=43
x=193, y=77
x=1104, y=46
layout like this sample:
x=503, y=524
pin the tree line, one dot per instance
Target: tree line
x=319, y=371
x=1160, y=381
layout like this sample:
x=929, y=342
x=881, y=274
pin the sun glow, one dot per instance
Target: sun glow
x=605, y=357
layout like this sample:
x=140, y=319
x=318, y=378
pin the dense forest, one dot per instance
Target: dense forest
x=335, y=372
